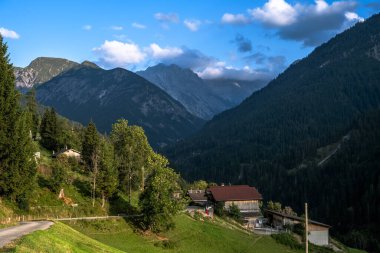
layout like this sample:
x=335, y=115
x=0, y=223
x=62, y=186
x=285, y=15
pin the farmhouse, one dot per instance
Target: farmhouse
x=68, y=152
x=198, y=197
x=245, y=197
x=318, y=232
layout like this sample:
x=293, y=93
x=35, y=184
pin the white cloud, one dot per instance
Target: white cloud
x=167, y=17
x=235, y=19
x=275, y=13
x=352, y=16
x=311, y=24
x=158, y=52
x=117, y=28
x=138, y=25
x=9, y=33
x=245, y=73
x=116, y=53
x=87, y=27
x=192, y=24
x=211, y=73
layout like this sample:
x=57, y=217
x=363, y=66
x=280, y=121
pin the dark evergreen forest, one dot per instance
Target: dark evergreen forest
x=275, y=139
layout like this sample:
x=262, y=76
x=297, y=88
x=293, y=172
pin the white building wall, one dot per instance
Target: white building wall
x=320, y=238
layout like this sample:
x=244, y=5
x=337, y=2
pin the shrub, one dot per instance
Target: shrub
x=288, y=240
x=219, y=209
x=197, y=215
x=234, y=212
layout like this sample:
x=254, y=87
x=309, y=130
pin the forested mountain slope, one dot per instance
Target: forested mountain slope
x=311, y=105
x=86, y=93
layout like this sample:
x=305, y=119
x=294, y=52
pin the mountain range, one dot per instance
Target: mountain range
x=41, y=70
x=86, y=92
x=283, y=137
x=203, y=98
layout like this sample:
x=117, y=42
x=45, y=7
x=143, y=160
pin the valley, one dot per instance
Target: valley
x=190, y=127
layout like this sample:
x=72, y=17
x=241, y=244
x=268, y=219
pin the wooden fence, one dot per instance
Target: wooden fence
x=21, y=218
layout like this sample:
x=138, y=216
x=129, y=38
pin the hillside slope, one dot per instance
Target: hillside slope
x=203, y=98
x=187, y=88
x=86, y=93
x=234, y=91
x=311, y=105
x=60, y=238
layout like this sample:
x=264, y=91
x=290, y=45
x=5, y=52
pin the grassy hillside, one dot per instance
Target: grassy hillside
x=118, y=236
x=59, y=238
x=188, y=236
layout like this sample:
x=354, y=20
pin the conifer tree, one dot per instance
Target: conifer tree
x=32, y=105
x=17, y=166
x=49, y=130
x=90, y=154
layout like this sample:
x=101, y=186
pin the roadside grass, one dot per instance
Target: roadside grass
x=59, y=238
x=189, y=235
x=351, y=250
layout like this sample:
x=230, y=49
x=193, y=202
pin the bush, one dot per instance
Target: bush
x=23, y=202
x=288, y=240
x=197, y=215
x=59, y=175
x=299, y=229
x=219, y=209
x=234, y=212
x=319, y=249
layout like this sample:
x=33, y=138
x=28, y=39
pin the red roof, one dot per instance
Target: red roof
x=235, y=192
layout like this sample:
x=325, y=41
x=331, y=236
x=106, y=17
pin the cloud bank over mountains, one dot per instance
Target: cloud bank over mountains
x=128, y=54
x=311, y=24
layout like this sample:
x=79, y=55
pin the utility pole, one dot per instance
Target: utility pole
x=306, y=230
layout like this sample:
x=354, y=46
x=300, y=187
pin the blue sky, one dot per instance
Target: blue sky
x=237, y=39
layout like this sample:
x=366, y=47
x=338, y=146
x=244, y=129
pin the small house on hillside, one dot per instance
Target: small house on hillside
x=198, y=197
x=245, y=197
x=318, y=232
x=68, y=152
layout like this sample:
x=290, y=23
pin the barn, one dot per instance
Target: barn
x=318, y=232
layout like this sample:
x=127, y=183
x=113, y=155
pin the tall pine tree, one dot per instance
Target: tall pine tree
x=90, y=154
x=49, y=130
x=32, y=105
x=17, y=166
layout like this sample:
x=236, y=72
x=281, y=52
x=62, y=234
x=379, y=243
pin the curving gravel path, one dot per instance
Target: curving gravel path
x=9, y=234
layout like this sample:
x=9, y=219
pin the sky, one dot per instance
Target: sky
x=246, y=40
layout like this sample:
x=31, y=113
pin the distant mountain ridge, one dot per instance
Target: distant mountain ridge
x=86, y=92
x=203, y=98
x=41, y=70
